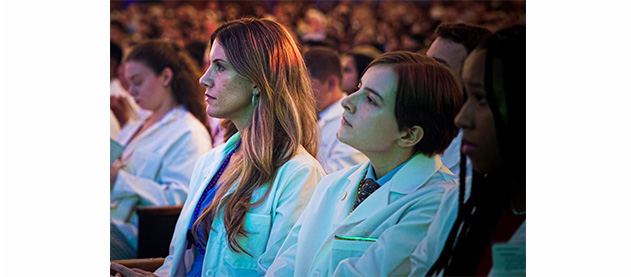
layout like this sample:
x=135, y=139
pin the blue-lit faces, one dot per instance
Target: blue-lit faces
x=228, y=94
x=369, y=124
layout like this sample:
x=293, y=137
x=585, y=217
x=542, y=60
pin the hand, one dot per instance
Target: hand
x=120, y=107
x=114, y=168
x=129, y=272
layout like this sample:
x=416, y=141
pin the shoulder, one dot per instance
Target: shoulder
x=301, y=160
x=444, y=178
x=338, y=179
x=186, y=127
x=211, y=156
x=188, y=122
x=346, y=172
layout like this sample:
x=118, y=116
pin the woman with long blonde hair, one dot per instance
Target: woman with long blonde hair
x=246, y=194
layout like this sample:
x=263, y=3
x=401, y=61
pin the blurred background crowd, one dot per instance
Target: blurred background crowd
x=370, y=25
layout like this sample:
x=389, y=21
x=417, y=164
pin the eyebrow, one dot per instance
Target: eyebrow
x=375, y=92
x=219, y=60
x=440, y=60
x=133, y=76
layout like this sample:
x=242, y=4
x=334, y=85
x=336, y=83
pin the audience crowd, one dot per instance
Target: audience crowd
x=344, y=25
x=316, y=106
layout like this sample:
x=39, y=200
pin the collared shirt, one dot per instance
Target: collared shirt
x=370, y=173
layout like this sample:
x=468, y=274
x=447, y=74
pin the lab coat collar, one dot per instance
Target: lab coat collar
x=411, y=177
x=417, y=172
x=224, y=149
x=349, y=194
x=171, y=116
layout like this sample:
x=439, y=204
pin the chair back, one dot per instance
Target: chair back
x=155, y=230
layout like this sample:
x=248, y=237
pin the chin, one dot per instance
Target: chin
x=345, y=139
x=210, y=112
x=340, y=135
x=484, y=167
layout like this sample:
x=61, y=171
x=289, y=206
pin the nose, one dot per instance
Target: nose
x=464, y=118
x=132, y=90
x=346, y=103
x=206, y=81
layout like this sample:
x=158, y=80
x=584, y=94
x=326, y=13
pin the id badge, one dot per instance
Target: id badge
x=509, y=259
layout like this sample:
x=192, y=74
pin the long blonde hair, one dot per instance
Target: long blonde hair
x=284, y=117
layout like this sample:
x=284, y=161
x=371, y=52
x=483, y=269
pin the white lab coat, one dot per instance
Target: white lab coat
x=115, y=128
x=428, y=251
x=397, y=215
x=157, y=167
x=267, y=223
x=333, y=154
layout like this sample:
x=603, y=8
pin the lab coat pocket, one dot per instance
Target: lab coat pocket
x=346, y=247
x=258, y=227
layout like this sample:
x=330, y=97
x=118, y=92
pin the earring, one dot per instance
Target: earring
x=255, y=93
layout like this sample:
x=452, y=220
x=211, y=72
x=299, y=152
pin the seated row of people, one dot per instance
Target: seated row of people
x=261, y=204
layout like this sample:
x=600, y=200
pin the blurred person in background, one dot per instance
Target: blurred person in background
x=325, y=71
x=353, y=65
x=451, y=47
x=454, y=42
x=122, y=105
x=160, y=150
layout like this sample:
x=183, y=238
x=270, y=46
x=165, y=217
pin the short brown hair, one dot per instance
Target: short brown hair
x=466, y=34
x=323, y=62
x=428, y=95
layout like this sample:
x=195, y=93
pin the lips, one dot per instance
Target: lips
x=467, y=147
x=345, y=122
x=209, y=97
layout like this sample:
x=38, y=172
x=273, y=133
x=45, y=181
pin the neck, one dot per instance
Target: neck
x=383, y=163
x=241, y=123
x=333, y=96
x=164, y=108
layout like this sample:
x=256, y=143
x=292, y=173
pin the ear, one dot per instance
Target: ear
x=167, y=74
x=332, y=82
x=411, y=136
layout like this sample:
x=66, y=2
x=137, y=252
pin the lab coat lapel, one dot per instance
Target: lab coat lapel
x=166, y=119
x=199, y=188
x=348, y=195
x=224, y=149
x=412, y=176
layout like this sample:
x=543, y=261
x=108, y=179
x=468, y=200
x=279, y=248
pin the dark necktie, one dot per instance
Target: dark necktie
x=365, y=189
